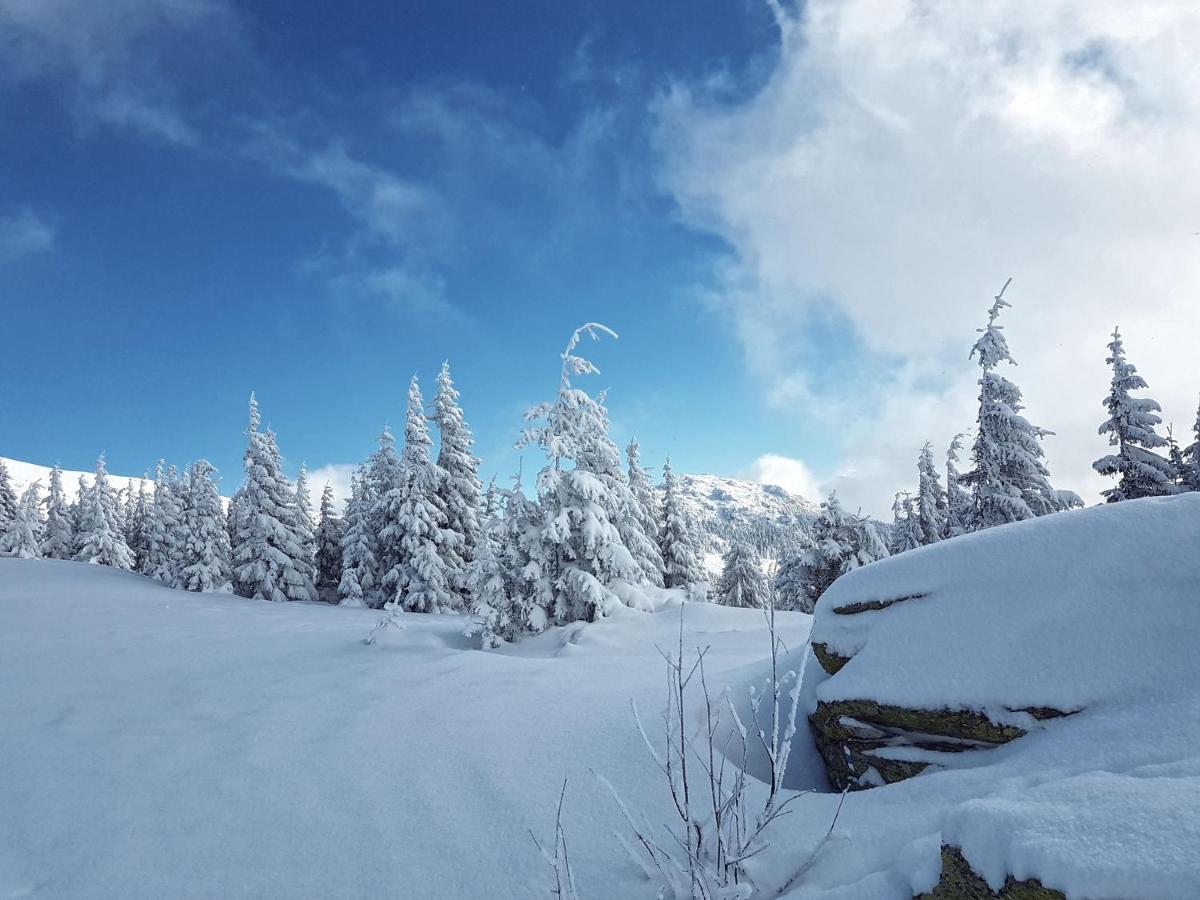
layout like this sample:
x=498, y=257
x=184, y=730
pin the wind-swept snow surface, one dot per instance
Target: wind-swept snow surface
x=157, y=743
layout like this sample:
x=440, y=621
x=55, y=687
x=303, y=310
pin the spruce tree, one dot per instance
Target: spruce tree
x=906, y=525
x=8, y=498
x=931, y=503
x=491, y=605
x=382, y=476
x=137, y=527
x=461, y=490
x=419, y=580
x=1130, y=428
x=59, y=540
x=742, y=582
x=329, y=549
x=840, y=543
x=21, y=536
x=99, y=540
x=789, y=586
x=580, y=548
x=166, y=531
x=267, y=558
x=77, y=505
x=959, y=504
x=1009, y=481
x=645, y=510
x=205, y=552
x=1191, y=459
x=357, y=586
x=306, y=531
x=677, y=542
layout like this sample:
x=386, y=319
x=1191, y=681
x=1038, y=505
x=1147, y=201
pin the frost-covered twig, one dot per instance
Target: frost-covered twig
x=560, y=861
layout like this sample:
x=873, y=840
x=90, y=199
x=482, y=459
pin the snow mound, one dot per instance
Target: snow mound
x=1094, y=613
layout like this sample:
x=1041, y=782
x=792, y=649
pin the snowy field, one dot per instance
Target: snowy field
x=165, y=744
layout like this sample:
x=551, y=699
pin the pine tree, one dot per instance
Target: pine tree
x=931, y=503
x=205, y=552
x=681, y=557
x=1191, y=459
x=99, y=540
x=959, y=505
x=59, y=540
x=521, y=552
x=166, y=531
x=329, y=549
x=645, y=509
x=841, y=542
x=267, y=558
x=1130, y=428
x=742, y=582
x=382, y=474
x=789, y=586
x=1010, y=481
x=77, y=505
x=580, y=550
x=487, y=589
x=419, y=580
x=306, y=532
x=357, y=585
x=8, y=498
x=21, y=536
x=137, y=527
x=460, y=491
x=906, y=526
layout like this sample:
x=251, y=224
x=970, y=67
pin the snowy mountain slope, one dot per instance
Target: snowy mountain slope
x=23, y=474
x=158, y=743
x=764, y=515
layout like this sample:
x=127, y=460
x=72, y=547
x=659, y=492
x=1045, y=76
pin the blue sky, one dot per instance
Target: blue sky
x=794, y=217
x=271, y=196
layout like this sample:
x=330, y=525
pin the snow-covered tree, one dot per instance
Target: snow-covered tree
x=841, y=542
x=520, y=550
x=931, y=503
x=8, y=498
x=21, y=536
x=460, y=491
x=267, y=557
x=906, y=525
x=644, y=508
x=138, y=526
x=329, y=549
x=789, y=586
x=306, y=531
x=677, y=539
x=492, y=608
x=580, y=548
x=166, y=532
x=1191, y=459
x=382, y=476
x=1130, y=428
x=959, y=504
x=1010, y=482
x=357, y=586
x=59, y=536
x=205, y=552
x=99, y=540
x=77, y=505
x=742, y=582
x=415, y=534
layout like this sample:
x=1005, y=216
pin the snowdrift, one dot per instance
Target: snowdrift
x=1028, y=695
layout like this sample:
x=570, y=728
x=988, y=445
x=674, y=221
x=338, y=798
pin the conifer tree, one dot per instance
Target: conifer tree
x=461, y=490
x=137, y=526
x=59, y=540
x=931, y=503
x=21, y=536
x=382, y=476
x=77, y=505
x=357, y=585
x=329, y=549
x=742, y=582
x=1009, y=481
x=580, y=548
x=677, y=542
x=419, y=580
x=8, y=498
x=645, y=509
x=1191, y=459
x=906, y=526
x=166, y=531
x=99, y=540
x=487, y=588
x=841, y=542
x=267, y=558
x=789, y=586
x=305, y=529
x=1130, y=428
x=959, y=505
x=206, y=552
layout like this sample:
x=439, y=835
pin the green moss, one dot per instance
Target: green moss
x=962, y=724
x=960, y=882
x=830, y=661
x=851, y=609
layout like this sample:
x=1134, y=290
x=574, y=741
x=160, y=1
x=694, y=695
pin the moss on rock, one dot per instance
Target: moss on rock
x=830, y=660
x=960, y=882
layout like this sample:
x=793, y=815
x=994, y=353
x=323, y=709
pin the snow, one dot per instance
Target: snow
x=158, y=743
x=24, y=474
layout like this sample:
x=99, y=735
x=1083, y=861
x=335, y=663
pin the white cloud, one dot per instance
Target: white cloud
x=22, y=232
x=337, y=476
x=903, y=158
x=790, y=474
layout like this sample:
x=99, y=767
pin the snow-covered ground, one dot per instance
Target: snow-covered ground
x=22, y=474
x=164, y=744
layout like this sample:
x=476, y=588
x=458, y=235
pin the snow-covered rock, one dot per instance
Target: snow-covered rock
x=1070, y=642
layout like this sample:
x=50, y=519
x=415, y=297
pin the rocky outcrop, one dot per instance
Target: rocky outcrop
x=960, y=882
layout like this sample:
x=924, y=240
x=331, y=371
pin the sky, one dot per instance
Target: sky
x=794, y=216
